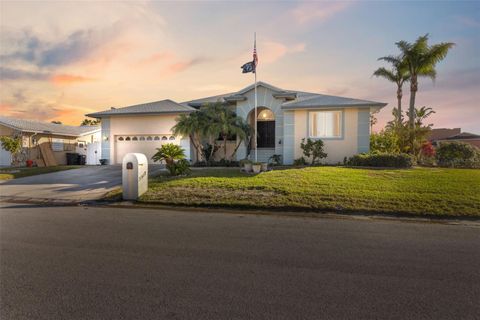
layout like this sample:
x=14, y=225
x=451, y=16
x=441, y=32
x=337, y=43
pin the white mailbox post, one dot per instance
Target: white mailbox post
x=134, y=175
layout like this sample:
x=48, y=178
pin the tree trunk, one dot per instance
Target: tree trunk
x=411, y=108
x=399, y=104
x=411, y=112
x=225, y=147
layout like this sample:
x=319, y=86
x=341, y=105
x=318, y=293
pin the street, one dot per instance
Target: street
x=110, y=263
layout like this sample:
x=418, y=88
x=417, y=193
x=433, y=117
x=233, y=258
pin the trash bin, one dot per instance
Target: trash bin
x=82, y=159
x=72, y=159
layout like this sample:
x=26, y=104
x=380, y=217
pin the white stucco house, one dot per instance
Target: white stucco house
x=284, y=118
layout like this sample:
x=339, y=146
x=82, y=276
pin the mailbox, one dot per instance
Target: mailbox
x=134, y=175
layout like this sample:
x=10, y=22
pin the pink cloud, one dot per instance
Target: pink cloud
x=67, y=79
x=271, y=51
x=318, y=11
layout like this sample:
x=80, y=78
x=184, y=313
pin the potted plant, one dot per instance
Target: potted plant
x=103, y=161
x=246, y=165
x=256, y=167
x=264, y=166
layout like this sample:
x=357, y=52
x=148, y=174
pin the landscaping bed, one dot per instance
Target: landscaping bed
x=13, y=173
x=416, y=191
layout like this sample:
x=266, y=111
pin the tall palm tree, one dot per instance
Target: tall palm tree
x=421, y=59
x=191, y=125
x=399, y=75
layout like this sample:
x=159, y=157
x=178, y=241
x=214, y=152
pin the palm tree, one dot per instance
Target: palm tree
x=169, y=152
x=399, y=75
x=421, y=60
x=224, y=123
x=191, y=125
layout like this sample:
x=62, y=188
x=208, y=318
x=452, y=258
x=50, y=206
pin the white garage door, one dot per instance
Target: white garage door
x=145, y=144
x=5, y=158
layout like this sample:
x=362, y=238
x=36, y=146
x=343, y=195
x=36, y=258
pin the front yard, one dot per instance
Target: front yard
x=13, y=173
x=417, y=191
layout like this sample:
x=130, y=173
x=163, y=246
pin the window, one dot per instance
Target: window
x=134, y=139
x=142, y=138
x=127, y=139
x=164, y=138
x=149, y=138
x=325, y=124
x=120, y=139
x=172, y=138
x=157, y=138
x=57, y=144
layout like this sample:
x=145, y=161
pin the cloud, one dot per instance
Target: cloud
x=271, y=51
x=67, y=79
x=18, y=74
x=468, y=21
x=180, y=66
x=318, y=11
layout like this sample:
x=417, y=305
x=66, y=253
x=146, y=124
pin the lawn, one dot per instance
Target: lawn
x=418, y=191
x=13, y=173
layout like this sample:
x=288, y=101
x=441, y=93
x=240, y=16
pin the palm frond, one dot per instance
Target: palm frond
x=385, y=73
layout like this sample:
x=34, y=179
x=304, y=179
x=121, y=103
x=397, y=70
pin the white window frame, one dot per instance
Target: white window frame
x=341, y=125
x=57, y=144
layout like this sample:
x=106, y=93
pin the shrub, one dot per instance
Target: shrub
x=221, y=163
x=178, y=168
x=300, y=162
x=243, y=162
x=275, y=160
x=458, y=155
x=427, y=154
x=314, y=149
x=169, y=152
x=394, y=160
x=384, y=142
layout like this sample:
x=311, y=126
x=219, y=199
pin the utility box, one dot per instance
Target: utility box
x=134, y=175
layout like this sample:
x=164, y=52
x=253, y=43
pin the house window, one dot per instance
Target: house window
x=325, y=124
x=157, y=138
x=57, y=144
x=149, y=138
x=120, y=139
x=164, y=138
x=172, y=138
x=127, y=139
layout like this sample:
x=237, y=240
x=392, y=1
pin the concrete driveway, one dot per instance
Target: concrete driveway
x=83, y=184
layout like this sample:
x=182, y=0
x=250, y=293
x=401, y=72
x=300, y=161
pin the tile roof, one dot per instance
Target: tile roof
x=157, y=107
x=46, y=127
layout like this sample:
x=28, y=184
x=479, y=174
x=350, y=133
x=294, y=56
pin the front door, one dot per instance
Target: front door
x=266, y=134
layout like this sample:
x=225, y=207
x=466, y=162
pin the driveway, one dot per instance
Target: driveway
x=84, y=184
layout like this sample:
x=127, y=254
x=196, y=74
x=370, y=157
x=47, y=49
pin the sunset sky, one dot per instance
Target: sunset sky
x=61, y=60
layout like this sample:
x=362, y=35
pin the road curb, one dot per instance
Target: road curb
x=473, y=222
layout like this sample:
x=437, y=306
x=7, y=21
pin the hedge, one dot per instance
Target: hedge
x=394, y=160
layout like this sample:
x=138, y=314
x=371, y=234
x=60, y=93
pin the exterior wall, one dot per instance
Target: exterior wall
x=363, y=131
x=336, y=148
x=129, y=125
x=264, y=99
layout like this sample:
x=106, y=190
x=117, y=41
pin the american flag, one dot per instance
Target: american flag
x=255, y=57
x=251, y=66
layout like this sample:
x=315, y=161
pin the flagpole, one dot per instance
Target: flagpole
x=255, y=46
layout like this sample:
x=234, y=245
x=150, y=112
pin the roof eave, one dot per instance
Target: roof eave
x=293, y=107
x=100, y=115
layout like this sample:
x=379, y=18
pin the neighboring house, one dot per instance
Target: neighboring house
x=61, y=139
x=284, y=118
x=438, y=136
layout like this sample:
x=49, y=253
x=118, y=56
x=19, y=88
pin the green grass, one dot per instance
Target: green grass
x=418, y=191
x=13, y=173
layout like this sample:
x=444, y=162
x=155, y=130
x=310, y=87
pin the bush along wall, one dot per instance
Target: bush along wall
x=458, y=155
x=393, y=160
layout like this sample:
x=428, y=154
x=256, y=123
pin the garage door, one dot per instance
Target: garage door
x=146, y=144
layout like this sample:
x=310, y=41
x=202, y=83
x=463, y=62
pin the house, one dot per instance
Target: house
x=438, y=136
x=58, y=138
x=284, y=118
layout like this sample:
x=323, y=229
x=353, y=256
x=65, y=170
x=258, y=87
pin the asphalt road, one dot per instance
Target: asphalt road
x=100, y=263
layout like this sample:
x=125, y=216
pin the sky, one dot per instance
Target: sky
x=62, y=60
